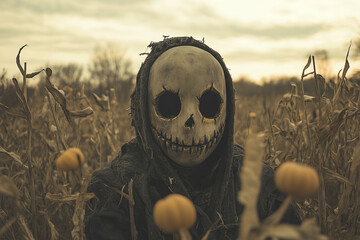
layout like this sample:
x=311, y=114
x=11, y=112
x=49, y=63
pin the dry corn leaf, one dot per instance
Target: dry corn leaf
x=13, y=112
x=25, y=229
x=8, y=187
x=355, y=165
x=308, y=98
x=335, y=176
x=281, y=231
x=82, y=113
x=13, y=156
x=322, y=80
x=18, y=60
x=250, y=183
x=22, y=99
x=59, y=197
x=307, y=65
x=347, y=64
x=58, y=96
x=110, y=142
x=78, y=232
x=31, y=75
x=78, y=219
x=308, y=74
x=355, y=195
x=50, y=143
x=344, y=71
x=346, y=199
x=48, y=72
x=102, y=102
x=54, y=233
x=327, y=132
x=7, y=225
x=82, y=91
x=287, y=97
x=308, y=230
x=290, y=126
x=3, y=215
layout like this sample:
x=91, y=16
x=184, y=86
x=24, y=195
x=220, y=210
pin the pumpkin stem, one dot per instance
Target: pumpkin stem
x=279, y=213
x=182, y=234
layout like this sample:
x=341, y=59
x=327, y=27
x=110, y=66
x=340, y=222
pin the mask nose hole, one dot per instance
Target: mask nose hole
x=190, y=122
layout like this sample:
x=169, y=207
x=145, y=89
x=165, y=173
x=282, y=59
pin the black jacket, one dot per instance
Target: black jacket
x=108, y=216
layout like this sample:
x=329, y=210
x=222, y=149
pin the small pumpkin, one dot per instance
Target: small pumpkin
x=173, y=213
x=71, y=159
x=252, y=115
x=298, y=181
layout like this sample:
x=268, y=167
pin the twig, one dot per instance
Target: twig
x=130, y=198
x=213, y=226
x=279, y=213
x=63, y=144
x=25, y=105
x=131, y=207
x=22, y=96
x=303, y=102
x=7, y=225
x=24, y=82
x=317, y=89
x=321, y=195
x=321, y=192
x=32, y=184
x=121, y=192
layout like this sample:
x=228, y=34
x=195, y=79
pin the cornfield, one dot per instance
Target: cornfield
x=39, y=201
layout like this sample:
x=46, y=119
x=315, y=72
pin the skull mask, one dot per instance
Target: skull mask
x=187, y=104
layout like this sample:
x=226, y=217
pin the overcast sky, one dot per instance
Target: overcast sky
x=258, y=38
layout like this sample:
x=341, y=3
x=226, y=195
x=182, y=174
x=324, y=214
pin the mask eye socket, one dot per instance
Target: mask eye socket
x=210, y=103
x=168, y=104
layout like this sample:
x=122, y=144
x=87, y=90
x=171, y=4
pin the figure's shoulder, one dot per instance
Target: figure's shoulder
x=238, y=159
x=130, y=161
x=130, y=148
x=127, y=164
x=238, y=156
x=238, y=151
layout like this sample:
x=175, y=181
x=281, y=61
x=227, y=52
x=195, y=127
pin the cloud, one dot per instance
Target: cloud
x=42, y=7
x=280, y=54
x=246, y=55
x=116, y=10
x=234, y=30
x=57, y=29
x=207, y=20
x=178, y=18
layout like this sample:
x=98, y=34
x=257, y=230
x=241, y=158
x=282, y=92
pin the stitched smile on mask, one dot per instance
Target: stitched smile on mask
x=187, y=104
x=196, y=147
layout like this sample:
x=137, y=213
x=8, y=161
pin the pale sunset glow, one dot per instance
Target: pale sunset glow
x=258, y=39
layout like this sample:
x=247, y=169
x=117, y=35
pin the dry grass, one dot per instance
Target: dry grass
x=37, y=201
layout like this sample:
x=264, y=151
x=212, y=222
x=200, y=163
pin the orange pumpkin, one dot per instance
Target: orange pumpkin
x=252, y=115
x=71, y=159
x=173, y=213
x=298, y=181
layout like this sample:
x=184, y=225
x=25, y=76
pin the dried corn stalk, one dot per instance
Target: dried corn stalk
x=251, y=183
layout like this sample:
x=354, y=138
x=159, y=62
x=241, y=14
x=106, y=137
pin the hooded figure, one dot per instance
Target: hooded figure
x=183, y=112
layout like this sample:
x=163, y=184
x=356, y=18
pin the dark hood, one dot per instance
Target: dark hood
x=215, y=171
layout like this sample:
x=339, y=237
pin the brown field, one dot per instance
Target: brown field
x=317, y=126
